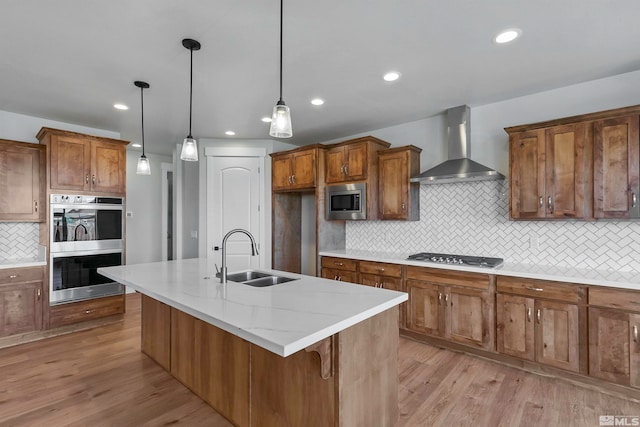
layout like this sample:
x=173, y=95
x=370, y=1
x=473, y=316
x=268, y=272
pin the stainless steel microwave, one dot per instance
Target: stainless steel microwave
x=347, y=201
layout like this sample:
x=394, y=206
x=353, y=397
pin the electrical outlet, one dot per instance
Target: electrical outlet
x=194, y=234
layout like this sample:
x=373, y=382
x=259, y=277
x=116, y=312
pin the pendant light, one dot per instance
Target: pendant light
x=143, y=163
x=281, y=118
x=189, y=145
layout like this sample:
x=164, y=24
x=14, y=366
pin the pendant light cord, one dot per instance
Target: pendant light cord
x=142, y=112
x=190, y=92
x=281, y=7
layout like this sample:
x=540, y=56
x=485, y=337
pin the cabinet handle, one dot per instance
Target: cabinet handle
x=86, y=179
x=339, y=264
x=339, y=278
x=335, y=277
x=381, y=269
x=346, y=169
x=540, y=202
x=38, y=293
x=538, y=315
x=403, y=206
x=446, y=298
x=550, y=204
x=35, y=203
x=440, y=296
x=635, y=333
x=529, y=314
x=93, y=179
x=531, y=288
x=293, y=179
x=89, y=311
x=13, y=276
x=634, y=200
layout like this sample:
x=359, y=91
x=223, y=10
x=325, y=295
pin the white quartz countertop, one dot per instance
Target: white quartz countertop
x=626, y=280
x=283, y=318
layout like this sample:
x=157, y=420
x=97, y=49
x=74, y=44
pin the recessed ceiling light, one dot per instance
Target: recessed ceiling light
x=120, y=107
x=507, y=36
x=317, y=101
x=391, y=76
x=266, y=119
x=136, y=145
x=230, y=133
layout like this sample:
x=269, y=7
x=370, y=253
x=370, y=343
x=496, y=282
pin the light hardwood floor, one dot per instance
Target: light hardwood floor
x=99, y=377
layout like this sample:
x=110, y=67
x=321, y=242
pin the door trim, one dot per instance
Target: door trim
x=165, y=168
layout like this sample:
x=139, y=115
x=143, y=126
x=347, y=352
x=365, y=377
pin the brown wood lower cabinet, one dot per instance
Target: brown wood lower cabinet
x=20, y=300
x=540, y=330
x=66, y=314
x=440, y=305
x=348, y=379
x=342, y=269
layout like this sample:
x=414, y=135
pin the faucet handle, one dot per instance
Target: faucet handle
x=217, y=270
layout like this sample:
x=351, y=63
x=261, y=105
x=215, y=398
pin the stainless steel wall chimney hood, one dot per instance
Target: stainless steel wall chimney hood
x=459, y=167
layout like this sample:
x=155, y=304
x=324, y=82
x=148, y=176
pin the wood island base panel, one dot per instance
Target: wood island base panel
x=347, y=379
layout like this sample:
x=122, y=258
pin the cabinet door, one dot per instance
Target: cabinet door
x=526, y=150
x=304, y=169
x=107, y=167
x=356, y=161
x=565, y=171
x=394, y=185
x=634, y=341
x=70, y=164
x=515, y=328
x=468, y=317
x=609, y=345
x=20, y=308
x=616, y=158
x=557, y=334
x=369, y=280
x=281, y=173
x=425, y=311
x=335, y=168
x=21, y=198
x=340, y=275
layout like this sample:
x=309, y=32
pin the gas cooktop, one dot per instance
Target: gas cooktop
x=474, y=261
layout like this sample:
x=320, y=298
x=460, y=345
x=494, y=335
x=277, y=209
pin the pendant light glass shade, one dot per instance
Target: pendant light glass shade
x=281, y=121
x=144, y=168
x=281, y=117
x=189, y=150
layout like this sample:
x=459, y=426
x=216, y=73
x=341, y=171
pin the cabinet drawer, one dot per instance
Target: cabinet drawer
x=339, y=263
x=381, y=268
x=66, y=314
x=541, y=289
x=449, y=277
x=615, y=298
x=18, y=275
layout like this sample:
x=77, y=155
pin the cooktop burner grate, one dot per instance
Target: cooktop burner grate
x=475, y=261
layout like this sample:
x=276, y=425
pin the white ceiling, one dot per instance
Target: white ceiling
x=71, y=60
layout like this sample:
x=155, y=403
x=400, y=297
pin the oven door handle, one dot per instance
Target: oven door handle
x=89, y=206
x=87, y=252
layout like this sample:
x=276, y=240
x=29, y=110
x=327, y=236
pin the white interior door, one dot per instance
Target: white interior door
x=233, y=187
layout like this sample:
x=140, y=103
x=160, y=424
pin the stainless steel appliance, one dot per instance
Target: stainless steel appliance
x=347, y=201
x=475, y=261
x=87, y=232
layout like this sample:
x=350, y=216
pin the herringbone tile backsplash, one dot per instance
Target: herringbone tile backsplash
x=19, y=240
x=473, y=219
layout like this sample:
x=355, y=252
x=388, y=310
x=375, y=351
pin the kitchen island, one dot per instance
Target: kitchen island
x=307, y=352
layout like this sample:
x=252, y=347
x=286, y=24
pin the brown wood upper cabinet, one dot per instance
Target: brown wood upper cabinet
x=294, y=170
x=549, y=173
x=399, y=198
x=452, y=305
x=616, y=161
x=352, y=160
x=542, y=321
x=21, y=296
x=85, y=163
x=22, y=181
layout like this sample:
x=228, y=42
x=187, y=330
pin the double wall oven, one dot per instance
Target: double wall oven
x=87, y=232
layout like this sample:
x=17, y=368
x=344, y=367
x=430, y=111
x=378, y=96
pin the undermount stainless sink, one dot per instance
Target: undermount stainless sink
x=268, y=281
x=258, y=279
x=246, y=275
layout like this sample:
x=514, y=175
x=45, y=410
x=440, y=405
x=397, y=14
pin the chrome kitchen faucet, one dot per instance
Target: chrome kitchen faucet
x=254, y=251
